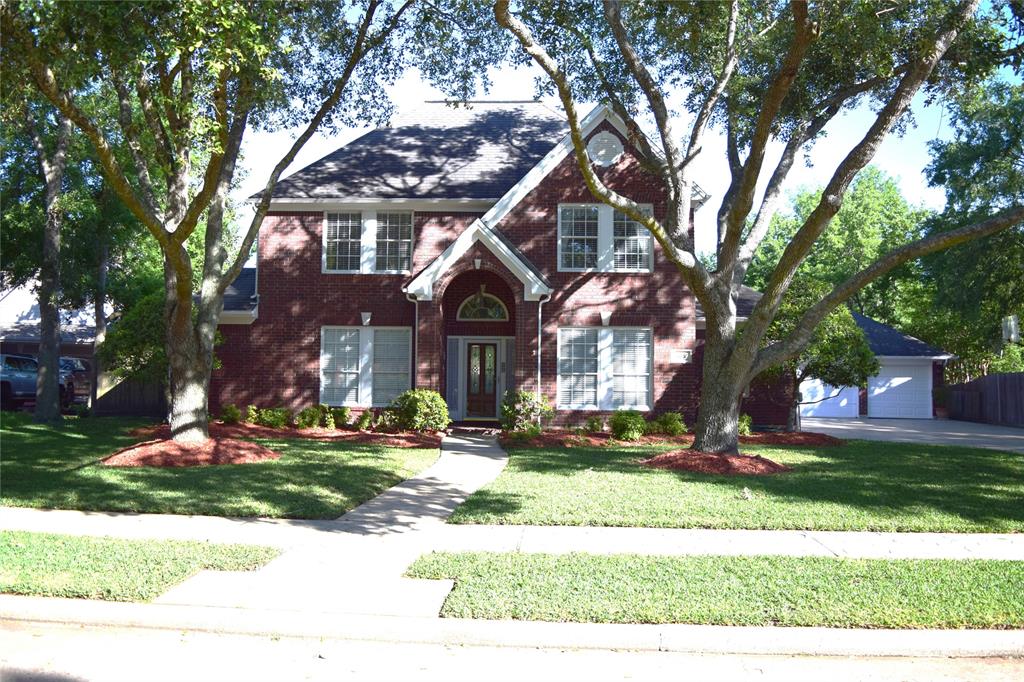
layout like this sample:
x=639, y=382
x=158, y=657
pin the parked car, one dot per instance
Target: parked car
x=80, y=375
x=18, y=374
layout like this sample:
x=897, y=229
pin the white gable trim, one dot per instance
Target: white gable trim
x=422, y=286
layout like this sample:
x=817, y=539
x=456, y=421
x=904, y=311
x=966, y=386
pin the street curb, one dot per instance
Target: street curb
x=717, y=639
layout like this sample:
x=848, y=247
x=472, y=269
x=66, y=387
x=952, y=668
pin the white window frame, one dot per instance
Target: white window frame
x=605, y=241
x=365, y=392
x=368, y=240
x=645, y=234
x=459, y=317
x=324, y=242
x=605, y=371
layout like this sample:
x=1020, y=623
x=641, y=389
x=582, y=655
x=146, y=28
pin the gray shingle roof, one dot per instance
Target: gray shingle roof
x=241, y=294
x=886, y=340
x=439, y=151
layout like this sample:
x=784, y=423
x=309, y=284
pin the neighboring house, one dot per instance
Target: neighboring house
x=460, y=250
x=903, y=388
x=19, y=325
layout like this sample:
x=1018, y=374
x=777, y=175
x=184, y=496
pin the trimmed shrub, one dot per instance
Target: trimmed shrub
x=326, y=416
x=342, y=417
x=594, y=424
x=746, y=425
x=524, y=434
x=420, y=409
x=231, y=414
x=308, y=417
x=671, y=424
x=385, y=420
x=521, y=410
x=627, y=425
x=274, y=417
x=252, y=415
x=365, y=421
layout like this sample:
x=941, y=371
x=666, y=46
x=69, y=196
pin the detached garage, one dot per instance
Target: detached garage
x=902, y=389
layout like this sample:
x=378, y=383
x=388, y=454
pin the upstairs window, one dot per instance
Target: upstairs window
x=597, y=238
x=343, y=241
x=394, y=242
x=578, y=234
x=632, y=244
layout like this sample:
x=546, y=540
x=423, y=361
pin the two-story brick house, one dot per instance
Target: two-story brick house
x=460, y=250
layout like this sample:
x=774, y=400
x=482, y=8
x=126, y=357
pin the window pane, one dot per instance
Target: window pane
x=631, y=243
x=394, y=241
x=343, y=241
x=578, y=241
x=339, y=362
x=631, y=368
x=390, y=364
x=577, y=367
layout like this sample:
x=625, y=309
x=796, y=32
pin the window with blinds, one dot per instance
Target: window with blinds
x=631, y=368
x=577, y=368
x=390, y=364
x=342, y=242
x=631, y=244
x=339, y=366
x=577, y=240
x=394, y=242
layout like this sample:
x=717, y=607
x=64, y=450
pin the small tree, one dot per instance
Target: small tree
x=838, y=353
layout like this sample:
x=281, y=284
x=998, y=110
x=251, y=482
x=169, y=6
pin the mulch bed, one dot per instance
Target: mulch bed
x=168, y=453
x=219, y=430
x=710, y=463
x=557, y=438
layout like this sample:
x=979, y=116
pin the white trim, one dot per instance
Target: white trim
x=365, y=391
x=913, y=358
x=459, y=413
x=605, y=241
x=460, y=318
x=235, y=317
x=605, y=371
x=334, y=204
x=367, y=240
x=422, y=286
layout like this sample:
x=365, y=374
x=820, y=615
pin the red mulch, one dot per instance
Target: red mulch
x=168, y=453
x=709, y=463
x=219, y=430
x=555, y=438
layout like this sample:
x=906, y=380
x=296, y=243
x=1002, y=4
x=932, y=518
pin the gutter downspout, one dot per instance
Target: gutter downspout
x=416, y=335
x=540, y=307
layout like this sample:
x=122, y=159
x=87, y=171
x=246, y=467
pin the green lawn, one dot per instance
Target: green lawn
x=865, y=485
x=48, y=565
x=721, y=590
x=55, y=468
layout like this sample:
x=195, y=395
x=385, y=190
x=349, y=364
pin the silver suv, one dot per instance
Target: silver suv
x=18, y=375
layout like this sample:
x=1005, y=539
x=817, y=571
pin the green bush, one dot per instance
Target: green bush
x=627, y=425
x=342, y=417
x=386, y=420
x=231, y=414
x=671, y=424
x=274, y=417
x=365, y=421
x=308, y=418
x=524, y=434
x=746, y=425
x=521, y=410
x=326, y=416
x=420, y=409
x=594, y=424
x=252, y=415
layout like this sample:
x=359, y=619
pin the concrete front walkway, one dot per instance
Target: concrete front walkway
x=929, y=431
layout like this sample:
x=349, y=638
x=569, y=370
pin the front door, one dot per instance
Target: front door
x=482, y=380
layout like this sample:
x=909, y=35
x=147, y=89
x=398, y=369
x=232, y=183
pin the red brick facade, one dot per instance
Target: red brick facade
x=275, y=361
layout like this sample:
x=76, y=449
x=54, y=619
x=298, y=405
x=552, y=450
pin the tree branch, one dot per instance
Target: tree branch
x=690, y=267
x=131, y=138
x=798, y=339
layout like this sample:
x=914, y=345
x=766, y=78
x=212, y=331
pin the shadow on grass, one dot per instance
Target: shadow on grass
x=980, y=485
x=55, y=468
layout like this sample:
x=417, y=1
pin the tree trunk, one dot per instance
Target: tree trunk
x=99, y=301
x=188, y=384
x=717, y=427
x=52, y=167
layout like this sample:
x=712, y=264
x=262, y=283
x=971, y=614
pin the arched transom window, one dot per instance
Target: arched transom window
x=482, y=307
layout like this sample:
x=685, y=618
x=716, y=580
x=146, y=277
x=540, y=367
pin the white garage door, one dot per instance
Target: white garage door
x=902, y=390
x=822, y=400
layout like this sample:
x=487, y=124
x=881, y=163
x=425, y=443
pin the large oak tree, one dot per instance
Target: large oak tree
x=762, y=72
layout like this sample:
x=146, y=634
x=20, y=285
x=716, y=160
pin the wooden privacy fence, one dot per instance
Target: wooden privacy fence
x=132, y=397
x=993, y=399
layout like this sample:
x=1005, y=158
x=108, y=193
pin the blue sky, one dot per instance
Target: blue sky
x=902, y=157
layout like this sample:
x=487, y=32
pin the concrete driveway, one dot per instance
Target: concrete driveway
x=935, y=431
